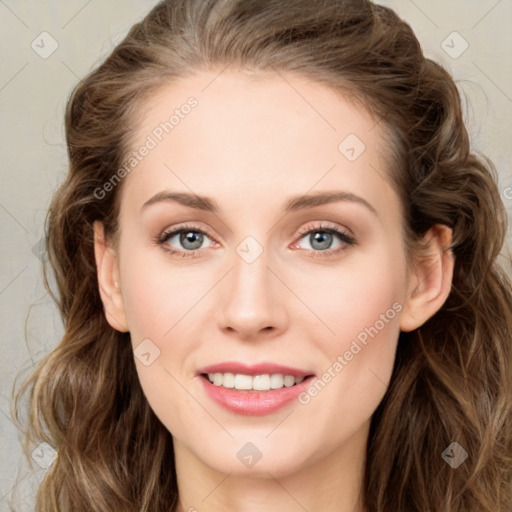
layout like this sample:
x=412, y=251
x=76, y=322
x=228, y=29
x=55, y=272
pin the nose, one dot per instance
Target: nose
x=252, y=301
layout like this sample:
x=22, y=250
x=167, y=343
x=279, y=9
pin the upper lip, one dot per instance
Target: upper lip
x=253, y=369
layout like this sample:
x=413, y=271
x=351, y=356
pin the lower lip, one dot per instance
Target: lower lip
x=254, y=403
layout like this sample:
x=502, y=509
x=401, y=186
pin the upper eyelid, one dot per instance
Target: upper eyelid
x=178, y=229
x=324, y=225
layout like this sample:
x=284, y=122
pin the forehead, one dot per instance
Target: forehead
x=231, y=132
x=258, y=103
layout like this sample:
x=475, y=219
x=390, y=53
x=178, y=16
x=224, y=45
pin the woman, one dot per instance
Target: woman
x=276, y=262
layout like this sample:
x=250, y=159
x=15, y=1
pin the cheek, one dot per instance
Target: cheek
x=162, y=303
x=159, y=301
x=156, y=294
x=353, y=299
x=362, y=310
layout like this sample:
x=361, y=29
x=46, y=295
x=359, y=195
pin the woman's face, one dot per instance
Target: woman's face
x=291, y=266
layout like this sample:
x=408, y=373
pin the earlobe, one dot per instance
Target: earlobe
x=108, y=280
x=431, y=281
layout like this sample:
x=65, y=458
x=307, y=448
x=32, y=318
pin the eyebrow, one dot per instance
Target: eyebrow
x=293, y=204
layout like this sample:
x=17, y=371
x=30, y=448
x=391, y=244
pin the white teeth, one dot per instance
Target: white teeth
x=289, y=381
x=256, y=383
x=228, y=381
x=261, y=382
x=243, y=381
x=276, y=381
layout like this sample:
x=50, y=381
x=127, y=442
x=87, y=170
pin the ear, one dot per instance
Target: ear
x=108, y=280
x=431, y=279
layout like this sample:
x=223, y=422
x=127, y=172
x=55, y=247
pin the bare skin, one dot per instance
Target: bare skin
x=251, y=145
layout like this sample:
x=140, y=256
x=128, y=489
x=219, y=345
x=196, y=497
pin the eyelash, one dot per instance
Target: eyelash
x=343, y=236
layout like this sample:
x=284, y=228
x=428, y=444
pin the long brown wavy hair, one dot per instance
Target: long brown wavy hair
x=452, y=379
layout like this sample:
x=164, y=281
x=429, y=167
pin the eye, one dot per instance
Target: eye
x=189, y=239
x=322, y=238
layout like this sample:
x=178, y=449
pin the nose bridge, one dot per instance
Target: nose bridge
x=250, y=300
x=250, y=273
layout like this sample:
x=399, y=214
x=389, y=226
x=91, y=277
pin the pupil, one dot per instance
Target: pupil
x=323, y=238
x=193, y=238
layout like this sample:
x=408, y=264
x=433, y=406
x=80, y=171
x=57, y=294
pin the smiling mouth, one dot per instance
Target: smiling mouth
x=256, y=383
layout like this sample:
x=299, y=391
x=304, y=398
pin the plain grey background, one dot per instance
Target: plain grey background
x=46, y=46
